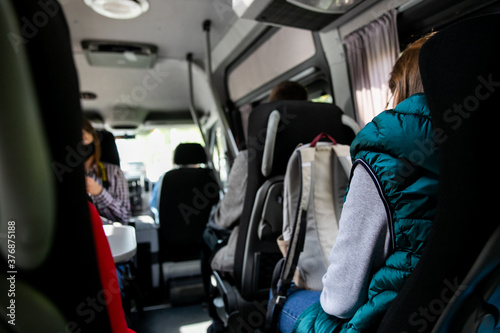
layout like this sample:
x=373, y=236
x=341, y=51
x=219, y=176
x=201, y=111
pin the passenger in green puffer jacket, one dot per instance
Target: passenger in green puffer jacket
x=382, y=234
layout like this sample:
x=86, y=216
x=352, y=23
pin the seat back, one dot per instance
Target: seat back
x=461, y=77
x=42, y=175
x=298, y=122
x=109, y=151
x=186, y=198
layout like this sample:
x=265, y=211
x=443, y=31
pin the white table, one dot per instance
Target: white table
x=122, y=241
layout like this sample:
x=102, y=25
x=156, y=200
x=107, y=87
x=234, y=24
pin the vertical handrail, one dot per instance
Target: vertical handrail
x=208, y=51
x=192, y=109
x=194, y=115
x=231, y=143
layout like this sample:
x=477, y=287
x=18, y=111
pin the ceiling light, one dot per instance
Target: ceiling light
x=326, y=6
x=119, y=9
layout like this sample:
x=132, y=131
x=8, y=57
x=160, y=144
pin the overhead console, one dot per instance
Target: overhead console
x=119, y=54
x=305, y=14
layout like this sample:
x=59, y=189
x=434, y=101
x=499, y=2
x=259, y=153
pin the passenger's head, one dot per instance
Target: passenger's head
x=288, y=90
x=91, y=142
x=405, y=76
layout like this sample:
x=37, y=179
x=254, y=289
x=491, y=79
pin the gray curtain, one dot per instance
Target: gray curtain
x=371, y=54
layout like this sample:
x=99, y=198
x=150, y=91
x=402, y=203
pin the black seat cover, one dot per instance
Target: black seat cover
x=461, y=77
x=109, y=151
x=300, y=122
x=187, y=196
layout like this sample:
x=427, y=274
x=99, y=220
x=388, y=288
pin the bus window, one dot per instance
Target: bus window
x=326, y=98
x=284, y=50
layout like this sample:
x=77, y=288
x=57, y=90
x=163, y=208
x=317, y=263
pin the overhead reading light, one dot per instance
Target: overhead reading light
x=326, y=6
x=119, y=9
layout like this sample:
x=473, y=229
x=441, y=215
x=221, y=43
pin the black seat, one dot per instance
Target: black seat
x=245, y=294
x=40, y=125
x=461, y=76
x=109, y=151
x=187, y=195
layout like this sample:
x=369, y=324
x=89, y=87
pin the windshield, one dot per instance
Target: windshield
x=151, y=153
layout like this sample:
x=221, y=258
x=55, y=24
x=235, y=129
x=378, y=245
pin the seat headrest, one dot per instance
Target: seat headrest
x=189, y=153
x=459, y=68
x=109, y=151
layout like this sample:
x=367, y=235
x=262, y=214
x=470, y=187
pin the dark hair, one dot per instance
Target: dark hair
x=288, y=90
x=87, y=126
x=405, y=78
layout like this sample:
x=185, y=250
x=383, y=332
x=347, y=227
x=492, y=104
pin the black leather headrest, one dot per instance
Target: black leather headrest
x=189, y=153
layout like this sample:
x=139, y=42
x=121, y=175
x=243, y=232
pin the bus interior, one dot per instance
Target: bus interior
x=151, y=75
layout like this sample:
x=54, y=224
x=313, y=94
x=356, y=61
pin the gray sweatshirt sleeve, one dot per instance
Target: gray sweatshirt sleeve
x=229, y=209
x=361, y=247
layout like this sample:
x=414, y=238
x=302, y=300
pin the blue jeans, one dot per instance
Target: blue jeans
x=120, y=271
x=298, y=300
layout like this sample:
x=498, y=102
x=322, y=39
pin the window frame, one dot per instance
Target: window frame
x=317, y=61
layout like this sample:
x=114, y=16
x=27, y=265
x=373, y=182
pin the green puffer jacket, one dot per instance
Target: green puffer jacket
x=399, y=149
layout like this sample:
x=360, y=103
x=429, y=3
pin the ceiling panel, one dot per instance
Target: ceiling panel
x=174, y=26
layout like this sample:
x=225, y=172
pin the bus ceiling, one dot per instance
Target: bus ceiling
x=124, y=96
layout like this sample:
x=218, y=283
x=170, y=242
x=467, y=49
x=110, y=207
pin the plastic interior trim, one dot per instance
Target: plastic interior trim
x=272, y=130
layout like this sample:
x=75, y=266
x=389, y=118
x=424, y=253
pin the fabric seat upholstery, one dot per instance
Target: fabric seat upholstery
x=256, y=256
x=186, y=199
x=300, y=122
x=109, y=151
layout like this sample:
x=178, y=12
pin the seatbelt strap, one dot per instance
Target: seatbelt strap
x=285, y=268
x=284, y=276
x=104, y=175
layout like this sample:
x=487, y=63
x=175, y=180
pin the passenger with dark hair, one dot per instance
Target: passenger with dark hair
x=219, y=239
x=386, y=217
x=288, y=91
x=106, y=184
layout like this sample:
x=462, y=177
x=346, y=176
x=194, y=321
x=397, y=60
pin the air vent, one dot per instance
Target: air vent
x=165, y=117
x=305, y=14
x=124, y=127
x=326, y=6
x=120, y=54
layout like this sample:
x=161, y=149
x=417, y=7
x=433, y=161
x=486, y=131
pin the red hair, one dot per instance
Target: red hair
x=405, y=76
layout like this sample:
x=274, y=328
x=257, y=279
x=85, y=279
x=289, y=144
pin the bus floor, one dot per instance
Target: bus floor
x=178, y=307
x=171, y=319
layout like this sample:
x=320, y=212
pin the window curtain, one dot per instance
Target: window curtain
x=371, y=54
